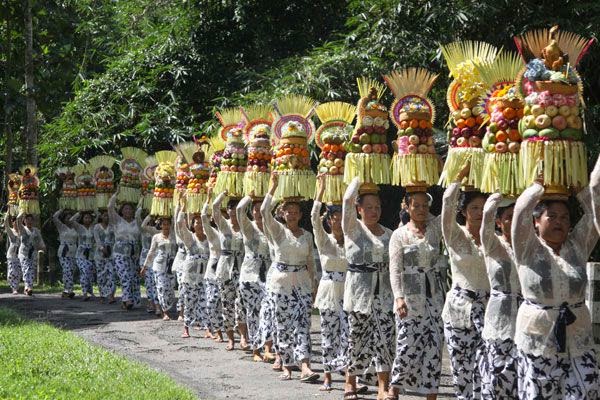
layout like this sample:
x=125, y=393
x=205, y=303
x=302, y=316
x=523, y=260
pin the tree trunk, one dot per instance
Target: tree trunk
x=8, y=133
x=31, y=134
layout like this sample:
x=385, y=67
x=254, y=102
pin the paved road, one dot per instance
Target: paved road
x=199, y=364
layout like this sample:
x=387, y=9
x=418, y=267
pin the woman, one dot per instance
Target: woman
x=554, y=331
x=228, y=272
x=14, y=274
x=419, y=298
x=85, y=246
x=330, y=294
x=177, y=263
x=104, y=239
x=498, y=367
x=147, y=232
x=253, y=271
x=67, y=249
x=464, y=309
x=293, y=284
x=214, y=309
x=160, y=255
x=192, y=269
x=30, y=242
x=127, y=233
x=368, y=297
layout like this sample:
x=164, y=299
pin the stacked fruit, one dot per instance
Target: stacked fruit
x=234, y=156
x=502, y=133
x=333, y=151
x=292, y=151
x=370, y=133
x=215, y=167
x=14, y=180
x=468, y=130
x=130, y=176
x=259, y=156
x=103, y=178
x=147, y=182
x=550, y=116
x=28, y=191
x=415, y=136
x=164, y=184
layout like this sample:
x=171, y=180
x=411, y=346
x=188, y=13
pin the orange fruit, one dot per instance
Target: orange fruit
x=404, y=124
x=520, y=113
x=326, y=147
x=509, y=113
x=479, y=120
x=414, y=123
x=287, y=151
x=460, y=123
x=423, y=124
x=501, y=136
x=304, y=153
x=470, y=122
x=513, y=135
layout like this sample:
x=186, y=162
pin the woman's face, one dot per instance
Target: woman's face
x=504, y=221
x=197, y=225
x=165, y=224
x=418, y=207
x=28, y=221
x=104, y=217
x=256, y=215
x=127, y=211
x=370, y=209
x=87, y=219
x=335, y=221
x=473, y=213
x=232, y=215
x=292, y=214
x=554, y=224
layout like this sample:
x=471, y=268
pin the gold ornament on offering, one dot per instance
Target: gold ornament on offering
x=552, y=126
x=468, y=118
x=367, y=155
x=164, y=184
x=257, y=133
x=415, y=162
x=67, y=199
x=104, y=177
x=131, y=168
x=331, y=137
x=292, y=130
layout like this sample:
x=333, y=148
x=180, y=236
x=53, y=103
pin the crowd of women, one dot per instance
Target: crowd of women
x=514, y=320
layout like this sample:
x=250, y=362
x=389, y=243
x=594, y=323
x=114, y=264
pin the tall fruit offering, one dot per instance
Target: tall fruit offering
x=101, y=167
x=147, y=182
x=234, y=159
x=257, y=133
x=29, y=189
x=164, y=184
x=131, y=167
x=86, y=189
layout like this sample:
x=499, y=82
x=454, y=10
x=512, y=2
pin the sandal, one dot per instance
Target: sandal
x=185, y=335
x=285, y=377
x=29, y=292
x=310, y=378
x=362, y=389
x=350, y=395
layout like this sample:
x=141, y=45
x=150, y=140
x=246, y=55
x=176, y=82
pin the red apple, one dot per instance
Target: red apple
x=366, y=148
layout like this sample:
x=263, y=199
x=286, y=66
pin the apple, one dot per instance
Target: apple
x=365, y=138
x=502, y=124
x=559, y=122
x=551, y=110
x=461, y=142
x=401, y=132
x=422, y=148
x=430, y=140
x=456, y=132
x=384, y=148
x=412, y=149
x=323, y=170
x=453, y=142
x=338, y=162
x=455, y=115
x=366, y=148
x=574, y=121
x=375, y=139
x=431, y=149
x=474, y=141
x=536, y=110
x=339, y=154
x=466, y=132
x=542, y=121
x=501, y=147
x=355, y=139
x=491, y=148
x=529, y=121
x=514, y=147
x=263, y=168
x=465, y=113
x=526, y=109
x=409, y=131
x=329, y=163
x=333, y=170
x=423, y=139
x=493, y=127
x=491, y=138
x=376, y=148
x=564, y=111
x=575, y=110
x=413, y=139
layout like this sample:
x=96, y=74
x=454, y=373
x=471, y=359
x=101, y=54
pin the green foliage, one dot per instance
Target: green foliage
x=61, y=365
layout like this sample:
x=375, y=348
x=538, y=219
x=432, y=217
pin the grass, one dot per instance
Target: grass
x=39, y=361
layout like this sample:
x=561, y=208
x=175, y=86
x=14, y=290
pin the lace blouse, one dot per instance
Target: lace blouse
x=330, y=294
x=127, y=234
x=256, y=247
x=466, y=263
x=67, y=237
x=232, y=245
x=415, y=264
x=197, y=253
x=162, y=252
x=363, y=248
x=549, y=280
x=501, y=311
x=12, y=236
x=85, y=242
x=288, y=250
x=30, y=240
x=214, y=244
x=103, y=238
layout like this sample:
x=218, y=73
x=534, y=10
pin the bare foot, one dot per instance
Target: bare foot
x=230, y=345
x=166, y=317
x=208, y=335
x=186, y=333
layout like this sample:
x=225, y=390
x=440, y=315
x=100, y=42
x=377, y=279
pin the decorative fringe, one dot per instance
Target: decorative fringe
x=67, y=203
x=336, y=111
x=410, y=81
x=257, y=183
x=13, y=210
x=562, y=162
x=102, y=200
x=456, y=53
x=334, y=189
x=295, y=183
x=195, y=201
x=86, y=203
x=503, y=69
x=29, y=207
x=232, y=182
x=365, y=85
x=128, y=194
x=415, y=169
x=162, y=207
x=295, y=104
x=457, y=159
x=368, y=167
x=502, y=173
x=147, y=202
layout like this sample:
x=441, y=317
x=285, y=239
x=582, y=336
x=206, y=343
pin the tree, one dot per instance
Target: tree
x=31, y=132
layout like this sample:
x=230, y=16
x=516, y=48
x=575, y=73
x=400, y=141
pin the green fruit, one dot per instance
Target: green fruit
x=408, y=131
x=529, y=133
x=493, y=127
x=401, y=132
x=521, y=126
x=550, y=133
x=485, y=142
x=375, y=139
x=571, y=133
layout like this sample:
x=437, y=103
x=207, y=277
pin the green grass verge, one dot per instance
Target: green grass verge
x=39, y=361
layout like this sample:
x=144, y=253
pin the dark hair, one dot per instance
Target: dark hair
x=463, y=202
x=123, y=206
x=545, y=204
x=499, y=213
x=404, y=215
x=232, y=204
x=193, y=220
x=362, y=197
x=329, y=211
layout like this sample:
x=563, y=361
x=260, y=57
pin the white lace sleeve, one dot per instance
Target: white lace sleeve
x=241, y=212
x=211, y=233
x=489, y=239
x=522, y=230
x=182, y=230
x=76, y=225
x=113, y=216
x=321, y=238
x=221, y=223
x=396, y=264
x=451, y=231
x=349, y=217
x=275, y=228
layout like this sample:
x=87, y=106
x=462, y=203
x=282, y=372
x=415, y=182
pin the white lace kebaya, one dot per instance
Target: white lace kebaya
x=214, y=244
x=549, y=280
x=256, y=247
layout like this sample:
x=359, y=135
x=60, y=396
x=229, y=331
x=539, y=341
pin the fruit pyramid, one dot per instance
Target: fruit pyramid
x=257, y=132
x=131, y=169
x=292, y=130
x=415, y=163
x=233, y=162
x=368, y=151
x=199, y=173
x=101, y=166
x=147, y=182
x=86, y=190
x=67, y=199
x=465, y=100
x=182, y=167
x=14, y=181
x=552, y=126
x=29, y=191
x=164, y=184
x=502, y=140
x=336, y=118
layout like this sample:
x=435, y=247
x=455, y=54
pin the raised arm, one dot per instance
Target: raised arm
x=349, y=216
x=20, y=226
x=113, y=216
x=9, y=232
x=585, y=231
x=241, y=212
x=60, y=226
x=274, y=227
x=321, y=238
x=396, y=265
x=147, y=226
x=138, y=213
x=595, y=193
x=522, y=229
x=489, y=239
x=211, y=233
x=76, y=225
x=450, y=229
x=182, y=230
